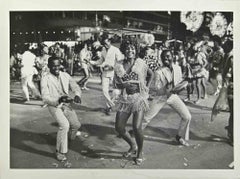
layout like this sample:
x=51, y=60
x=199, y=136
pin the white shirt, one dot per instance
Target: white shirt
x=28, y=62
x=164, y=75
x=85, y=56
x=53, y=87
x=113, y=55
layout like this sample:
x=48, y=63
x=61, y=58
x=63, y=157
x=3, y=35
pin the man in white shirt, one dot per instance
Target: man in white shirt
x=85, y=57
x=27, y=72
x=168, y=83
x=56, y=86
x=112, y=56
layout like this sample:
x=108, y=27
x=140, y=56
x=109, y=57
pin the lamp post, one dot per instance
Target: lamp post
x=168, y=30
x=96, y=19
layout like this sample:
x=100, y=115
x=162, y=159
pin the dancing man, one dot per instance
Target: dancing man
x=112, y=56
x=55, y=93
x=85, y=57
x=168, y=82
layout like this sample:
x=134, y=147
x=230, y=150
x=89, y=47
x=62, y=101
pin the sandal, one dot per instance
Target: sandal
x=184, y=142
x=138, y=161
x=181, y=141
x=130, y=152
x=61, y=157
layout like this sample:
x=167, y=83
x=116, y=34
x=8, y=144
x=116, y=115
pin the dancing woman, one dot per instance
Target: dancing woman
x=200, y=74
x=133, y=77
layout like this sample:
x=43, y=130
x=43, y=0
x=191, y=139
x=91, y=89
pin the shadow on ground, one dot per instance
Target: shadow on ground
x=19, y=138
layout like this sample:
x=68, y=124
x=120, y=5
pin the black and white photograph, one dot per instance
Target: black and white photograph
x=113, y=89
x=125, y=89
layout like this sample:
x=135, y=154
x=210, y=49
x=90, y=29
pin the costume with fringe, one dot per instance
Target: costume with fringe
x=199, y=70
x=137, y=101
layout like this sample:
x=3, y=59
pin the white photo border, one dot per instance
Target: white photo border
x=145, y=5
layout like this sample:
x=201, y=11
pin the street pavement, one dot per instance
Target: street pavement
x=33, y=136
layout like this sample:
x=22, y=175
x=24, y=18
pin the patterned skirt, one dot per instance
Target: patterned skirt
x=202, y=73
x=132, y=103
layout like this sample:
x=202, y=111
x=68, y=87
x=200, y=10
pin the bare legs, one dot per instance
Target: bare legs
x=84, y=80
x=203, y=84
x=190, y=88
x=120, y=125
x=137, y=129
x=201, y=88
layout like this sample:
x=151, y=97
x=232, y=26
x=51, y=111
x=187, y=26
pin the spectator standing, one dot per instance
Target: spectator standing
x=85, y=58
x=27, y=72
x=217, y=62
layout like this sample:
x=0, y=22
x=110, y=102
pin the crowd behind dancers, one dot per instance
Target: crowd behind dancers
x=138, y=75
x=201, y=60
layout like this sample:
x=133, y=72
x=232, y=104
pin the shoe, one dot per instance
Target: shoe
x=130, y=152
x=26, y=100
x=78, y=133
x=204, y=97
x=182, y=141
x=82, y=135
x=61, y=157
x=138, y=161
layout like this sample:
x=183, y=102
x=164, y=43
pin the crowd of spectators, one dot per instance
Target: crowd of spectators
x=201, y=59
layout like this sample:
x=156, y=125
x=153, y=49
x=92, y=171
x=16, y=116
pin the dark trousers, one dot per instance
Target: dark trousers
x=84, y=79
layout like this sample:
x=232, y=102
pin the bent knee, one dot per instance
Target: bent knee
x=64, y=127
x=76, y=125
x=120, y=130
